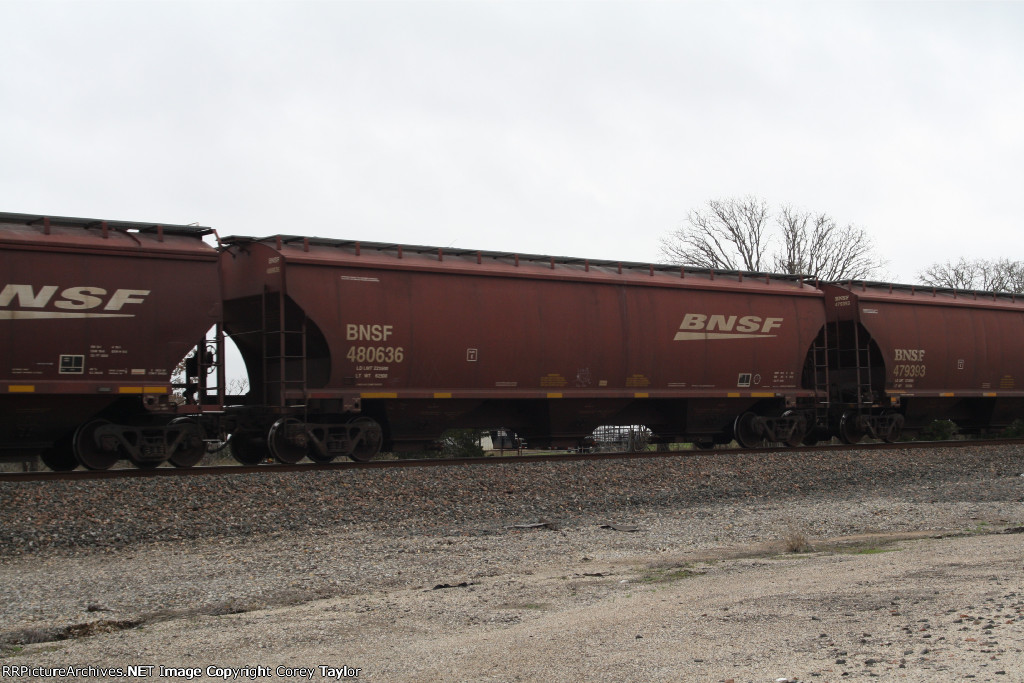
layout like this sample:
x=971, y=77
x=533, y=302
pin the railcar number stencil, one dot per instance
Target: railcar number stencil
x=371, y=353
x=376, y=354
x=909, y=366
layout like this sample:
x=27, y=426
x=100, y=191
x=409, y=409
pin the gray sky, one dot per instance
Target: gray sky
x=568, y=128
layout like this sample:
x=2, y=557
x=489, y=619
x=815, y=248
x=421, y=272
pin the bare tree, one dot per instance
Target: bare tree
x=730, y=235
x=734, y=234
x=814, y=244
x=998, y=275
x=1014, y=272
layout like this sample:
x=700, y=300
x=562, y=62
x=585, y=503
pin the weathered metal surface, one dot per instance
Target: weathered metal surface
x=939, y=342
x=441, y=333
x=95, y=311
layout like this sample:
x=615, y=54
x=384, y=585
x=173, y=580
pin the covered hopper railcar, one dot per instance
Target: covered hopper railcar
x=356, y=347
x=94, y=318
x=902, y=356
x=352, y=347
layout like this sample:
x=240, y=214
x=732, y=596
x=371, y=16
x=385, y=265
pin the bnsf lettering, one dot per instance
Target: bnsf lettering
x=722, y=323
x=910, y=354
x=368, y=332
x=72, y=298
x=77, y=298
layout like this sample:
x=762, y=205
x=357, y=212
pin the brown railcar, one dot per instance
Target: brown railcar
x=94, y=318
x=355, y=346
x=903, y=356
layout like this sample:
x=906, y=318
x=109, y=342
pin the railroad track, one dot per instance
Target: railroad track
x=211, y=470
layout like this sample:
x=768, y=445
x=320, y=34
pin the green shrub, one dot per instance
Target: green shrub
x=461, y=443
x=1015, y=430
x=939, y=430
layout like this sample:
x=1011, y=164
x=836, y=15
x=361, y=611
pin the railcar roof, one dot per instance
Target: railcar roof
x=300, y=241
x=856, y=286
x=87, y=223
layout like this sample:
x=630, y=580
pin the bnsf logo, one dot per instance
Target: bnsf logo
x=368, y=332
x=910, y=354
x=72, y=302
x=700, y=326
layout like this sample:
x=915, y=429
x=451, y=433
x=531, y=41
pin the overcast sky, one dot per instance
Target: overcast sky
x=568, y=128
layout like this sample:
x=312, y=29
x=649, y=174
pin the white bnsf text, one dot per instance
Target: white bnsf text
x=71, y=298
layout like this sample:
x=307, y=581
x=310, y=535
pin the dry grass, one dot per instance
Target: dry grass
x=794, y=540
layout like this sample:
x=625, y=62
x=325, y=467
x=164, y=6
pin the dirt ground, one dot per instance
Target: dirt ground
x=908, y=607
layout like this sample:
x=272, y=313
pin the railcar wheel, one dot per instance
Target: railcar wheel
x=317, y=448
x=799, y=433
x=318, y=457
x=191, y=447
x=745, y=432
x=288, y=441
x=147, y=464
x=95, y=453
x=368, y=440
x=848, y=431
x=249, y=447
x=61, y=456
x=895, y=431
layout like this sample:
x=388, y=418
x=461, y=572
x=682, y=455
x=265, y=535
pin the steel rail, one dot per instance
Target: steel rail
x=211, y=470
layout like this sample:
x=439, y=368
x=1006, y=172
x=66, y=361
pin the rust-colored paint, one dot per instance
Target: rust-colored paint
x=939, y=342
x=398, y=320
x=95, y=308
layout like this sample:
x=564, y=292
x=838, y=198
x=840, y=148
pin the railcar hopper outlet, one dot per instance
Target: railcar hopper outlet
x=356, y=347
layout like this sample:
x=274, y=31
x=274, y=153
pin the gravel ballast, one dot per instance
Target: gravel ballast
x=94, y=514
x=124, y=560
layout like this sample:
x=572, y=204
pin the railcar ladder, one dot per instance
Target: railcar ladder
x=819, y=357
x=863, y=359
x=210, y=360
x=284, y=352
x=205, y=359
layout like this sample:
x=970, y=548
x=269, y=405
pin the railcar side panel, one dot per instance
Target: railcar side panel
x=940, y=344
x=94, y=313
x=436, y=334
x=945, y=355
